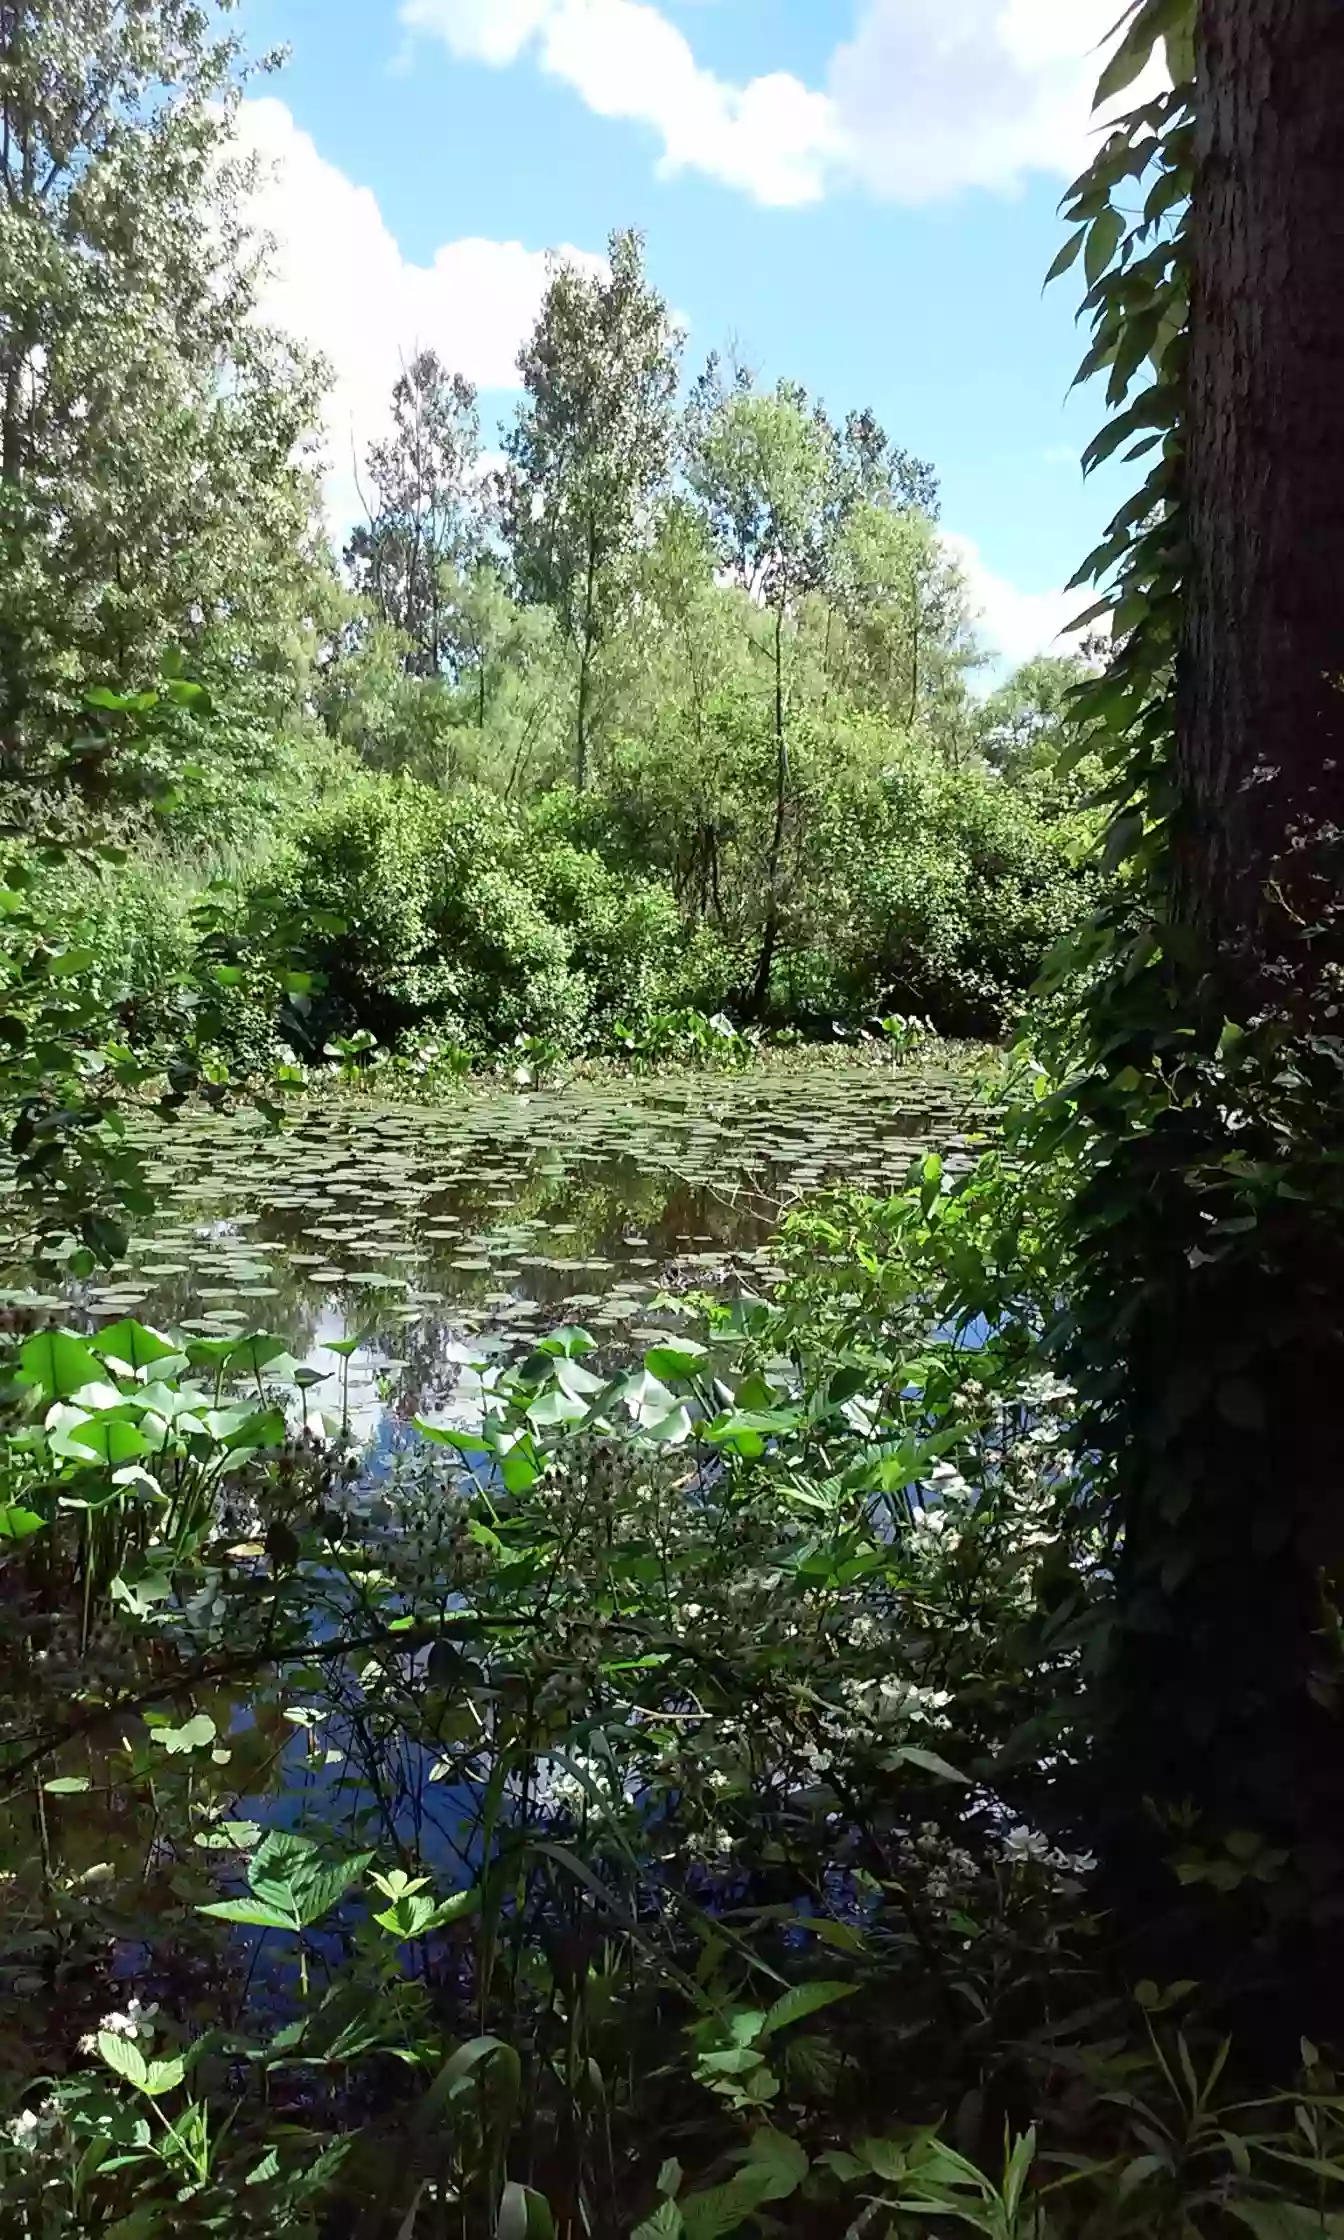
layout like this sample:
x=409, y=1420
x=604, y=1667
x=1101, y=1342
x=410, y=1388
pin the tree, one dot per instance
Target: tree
x=1257, y=875
x=1209, y=1220
x=899, y=639
x=876, y=471
x=590, y=451
x=426, y=516
x=766, y=469
x=1027, y=723
x=153, y=491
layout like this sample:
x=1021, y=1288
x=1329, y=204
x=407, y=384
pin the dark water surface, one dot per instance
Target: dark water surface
x=425, y=1231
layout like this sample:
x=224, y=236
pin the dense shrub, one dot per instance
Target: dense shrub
x=908, y=886
x=439, y=928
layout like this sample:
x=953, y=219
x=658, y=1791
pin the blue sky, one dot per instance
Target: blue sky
x=860, y=193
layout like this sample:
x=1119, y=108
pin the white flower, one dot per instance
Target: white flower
x=136, y=2022
x=1023, y=1843
x=21, y=2130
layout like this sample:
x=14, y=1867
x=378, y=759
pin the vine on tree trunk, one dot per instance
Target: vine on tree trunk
x=1206, y=1227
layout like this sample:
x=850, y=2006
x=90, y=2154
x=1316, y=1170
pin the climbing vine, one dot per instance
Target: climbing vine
x=1206, y=1221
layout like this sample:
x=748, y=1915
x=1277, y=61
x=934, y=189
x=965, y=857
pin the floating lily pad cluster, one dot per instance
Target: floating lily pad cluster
x=505, y=1214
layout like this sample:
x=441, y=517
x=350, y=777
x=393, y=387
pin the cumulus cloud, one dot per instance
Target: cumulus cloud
x=924, y=99
x=1013, y=625
x=934, y=96
x=773, y=137
x=339, y=282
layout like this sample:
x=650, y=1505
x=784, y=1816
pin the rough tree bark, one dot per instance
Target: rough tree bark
x=1262, y=707
x=1231, y=1579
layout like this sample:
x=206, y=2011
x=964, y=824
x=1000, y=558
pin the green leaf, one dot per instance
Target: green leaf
x=1284, y=2220
x=123, y=2056
x=164, y=2076
x=1104, y=236
x=556, y=1407
x=444, y=1435
x=261, y=1351
x=250, y=1912
x=524, y=2215
x=59, y=1364
x=666, y=2223
x=17, y=1523
x=131, y=1342
x=103, y=1439
x=1154, y=19
x=197, y=1734
x=683, y=1360
x=295, y=1878
x=912, y=1754
x=1067, y=256
x=802, y=2000
x=569, y=1341
x=784, y=2162
x=68, y=1785
x=723, y=2209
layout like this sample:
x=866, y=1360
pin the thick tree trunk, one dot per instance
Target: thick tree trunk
x=1262, y=708
x=1228, y=1673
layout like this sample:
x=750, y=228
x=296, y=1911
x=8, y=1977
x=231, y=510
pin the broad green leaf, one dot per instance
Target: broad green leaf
x=131, y=1342
x=262, y=1351
x=724, y=2209
x=784, y=2163
x=197, y=1734
x=59, y=1364
x=164, y=2076
x=665, y=2224
x=524, y=2215
x=1286, y=2220
x=250, y=1912
x=123, y=2056
x=104, y=1439
x=18, y=1523
x=683, y=1360
x=569, y=1341
x=555, y=1408
x=447, y=1435
x=672, y=1430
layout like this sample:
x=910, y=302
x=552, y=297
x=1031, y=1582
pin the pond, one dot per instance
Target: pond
x=431, y=1231
x=434, y=1235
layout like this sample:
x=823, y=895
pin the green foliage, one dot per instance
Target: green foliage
x=153, y=489
x=590, y=450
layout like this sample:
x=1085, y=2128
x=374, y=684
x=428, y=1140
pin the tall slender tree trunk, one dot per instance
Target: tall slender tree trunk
x=586, y=660
x=760, y=993
x=1229, y=1673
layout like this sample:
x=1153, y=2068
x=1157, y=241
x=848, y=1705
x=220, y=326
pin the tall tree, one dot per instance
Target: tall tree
x=876, y=471
x=899, y=636
x=766, y=468
x=590, y=451
x=152, y=491
x=1209, y=1340
x=425, y=518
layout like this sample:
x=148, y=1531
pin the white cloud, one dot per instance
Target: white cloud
x=340, y=283
x=775, y=138
x=1013, y=625
x=935, y=96
x=924, y=99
